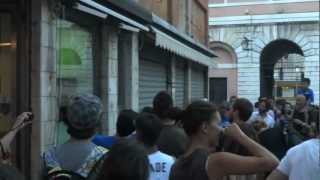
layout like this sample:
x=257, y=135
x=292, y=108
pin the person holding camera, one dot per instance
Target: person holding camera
x=22, y=121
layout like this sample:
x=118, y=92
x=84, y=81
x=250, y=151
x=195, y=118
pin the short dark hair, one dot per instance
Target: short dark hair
x=81, y=134
x=125, y=122
x=281, y=102
x=244, y=107
x=173, y=141
x=147, y=109
x=162, y=102
x=149, y=127
x=174, y=113
x=196, y=114
x=126, y=160
x=307, y=80
x=225, y=106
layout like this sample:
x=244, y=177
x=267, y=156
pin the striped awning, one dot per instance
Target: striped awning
x=169, y=43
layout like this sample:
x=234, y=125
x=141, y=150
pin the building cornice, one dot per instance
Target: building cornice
x=226, y=4
x=267, y=18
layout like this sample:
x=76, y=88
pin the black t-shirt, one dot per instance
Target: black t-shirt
x=274, y=140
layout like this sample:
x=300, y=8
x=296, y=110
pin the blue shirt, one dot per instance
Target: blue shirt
x=225, y=122
x=104, y=141
x=308, y=93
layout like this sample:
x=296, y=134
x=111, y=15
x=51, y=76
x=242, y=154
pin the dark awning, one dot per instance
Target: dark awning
x=130, y=8
x=101, y=9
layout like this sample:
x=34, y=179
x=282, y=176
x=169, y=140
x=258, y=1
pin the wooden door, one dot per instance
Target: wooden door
x=218, y=90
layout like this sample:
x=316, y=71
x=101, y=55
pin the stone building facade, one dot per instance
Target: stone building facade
x=119, y=51
x=257, y=35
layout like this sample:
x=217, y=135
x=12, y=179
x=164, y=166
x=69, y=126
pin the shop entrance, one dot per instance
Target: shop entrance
x=14, y=76
x=7, y=71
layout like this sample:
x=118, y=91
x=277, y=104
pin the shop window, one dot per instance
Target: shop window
x=75, y=66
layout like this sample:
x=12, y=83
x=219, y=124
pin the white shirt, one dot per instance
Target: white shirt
x=160, y=166
x=268, y=119
x=302, y=162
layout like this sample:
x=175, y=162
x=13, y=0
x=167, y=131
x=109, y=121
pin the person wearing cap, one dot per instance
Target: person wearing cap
x=78, y=154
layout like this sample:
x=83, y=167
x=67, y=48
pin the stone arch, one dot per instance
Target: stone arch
x=225, y=47
x=269, y=55
x=226, y=68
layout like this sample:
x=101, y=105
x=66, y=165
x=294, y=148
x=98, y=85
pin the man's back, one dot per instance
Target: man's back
x=72, y=155
x=160, y=165
x=302, y=162
x=77, y=156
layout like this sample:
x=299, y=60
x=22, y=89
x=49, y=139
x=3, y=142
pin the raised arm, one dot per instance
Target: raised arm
x=222, y=164
x=6, y=140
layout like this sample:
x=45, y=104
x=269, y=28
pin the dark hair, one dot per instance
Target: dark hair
x=196, y=114
x=125, y=122
x=225, y=106
x=281, y=102
x=307, y=80
x=244, y=107
x=63, y=114
x=147, y=109
x=126, y=160
x=268, y=105
x=175, y=113
x=149, y=127
x=73, y=132
x=162, y=102
x=9, y=173
x=173, y=141
x=81, y=134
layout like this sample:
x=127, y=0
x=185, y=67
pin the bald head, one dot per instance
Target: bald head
x=301, y=101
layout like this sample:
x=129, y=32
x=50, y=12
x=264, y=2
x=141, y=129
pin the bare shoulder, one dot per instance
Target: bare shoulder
x=224, y=163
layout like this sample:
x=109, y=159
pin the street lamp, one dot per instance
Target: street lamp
x=245, y=44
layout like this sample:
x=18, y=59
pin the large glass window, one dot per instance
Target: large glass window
x=75, y=66
x=7, y=72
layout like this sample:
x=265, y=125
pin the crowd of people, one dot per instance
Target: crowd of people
x=235, y=140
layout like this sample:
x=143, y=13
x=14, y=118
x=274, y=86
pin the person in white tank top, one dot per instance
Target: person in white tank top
x=148, y=128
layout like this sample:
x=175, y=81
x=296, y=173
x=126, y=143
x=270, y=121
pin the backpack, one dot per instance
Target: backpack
x=55, y=172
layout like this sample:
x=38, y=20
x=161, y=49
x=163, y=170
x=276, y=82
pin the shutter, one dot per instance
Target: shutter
x=180, y=84
x=152, y=79
x=198, y=83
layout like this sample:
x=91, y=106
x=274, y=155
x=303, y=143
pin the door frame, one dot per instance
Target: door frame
x=21, y=14
x=212, y=79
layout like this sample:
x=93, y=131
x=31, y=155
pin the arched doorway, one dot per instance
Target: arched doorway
x=223, y=79
x=272, y=59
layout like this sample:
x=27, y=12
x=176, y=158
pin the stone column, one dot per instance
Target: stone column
x=43, y=83
x=109, y=80
x=129, y=70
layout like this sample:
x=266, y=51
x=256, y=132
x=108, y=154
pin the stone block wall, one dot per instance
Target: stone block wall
x=304, y=34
